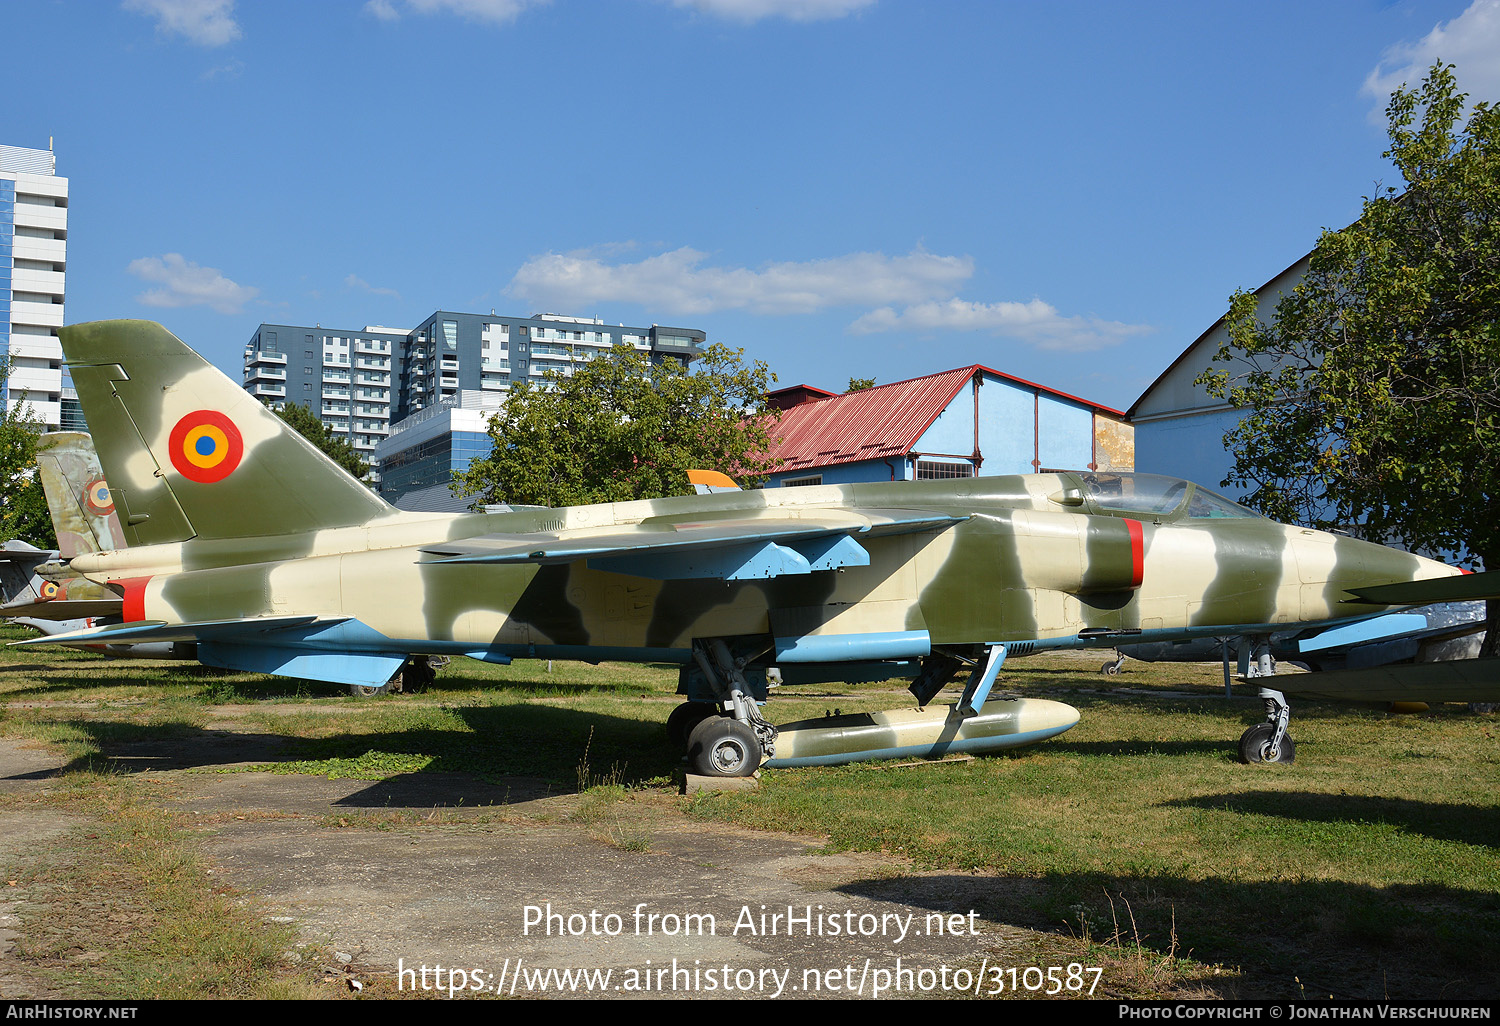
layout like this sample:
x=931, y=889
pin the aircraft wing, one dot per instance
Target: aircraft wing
x=735, y=546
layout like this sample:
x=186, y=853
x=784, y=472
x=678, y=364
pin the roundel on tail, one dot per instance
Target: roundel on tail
x=96, y=497
x=49, y=591
x=205, y=446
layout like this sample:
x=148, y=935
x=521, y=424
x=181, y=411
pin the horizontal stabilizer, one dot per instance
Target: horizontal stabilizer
x=63, y=609
x=1461, y=588
x=159, y=630
x=22, y=554
x=1461, y=680
x=731, y=548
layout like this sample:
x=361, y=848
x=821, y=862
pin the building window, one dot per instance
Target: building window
x=795, y=482
x=931, y=470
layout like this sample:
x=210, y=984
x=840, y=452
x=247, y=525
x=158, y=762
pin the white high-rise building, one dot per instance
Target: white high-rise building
x=33, y=268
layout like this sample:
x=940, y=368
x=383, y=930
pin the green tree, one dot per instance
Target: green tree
x=860, y=385
x=622, y=428
x=1373, y=393
x=335, y=446
x=23, y=504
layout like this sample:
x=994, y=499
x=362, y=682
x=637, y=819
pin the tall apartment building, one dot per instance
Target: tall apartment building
x=364, y=383
x=342, y=375
x=33, y=269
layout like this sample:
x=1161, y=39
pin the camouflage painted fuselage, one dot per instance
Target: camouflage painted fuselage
x=1036, y=558
x=261, y=548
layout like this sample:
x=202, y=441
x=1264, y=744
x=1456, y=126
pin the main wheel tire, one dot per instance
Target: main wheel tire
x=365, y=691
x=723, y=747
x=417, y=674
x=1255, y=745
x=684, y=718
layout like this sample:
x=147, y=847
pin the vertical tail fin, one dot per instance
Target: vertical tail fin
x=188, y=453
x=83, y=514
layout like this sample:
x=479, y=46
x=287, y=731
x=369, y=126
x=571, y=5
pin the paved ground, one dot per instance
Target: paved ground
x=444, y=870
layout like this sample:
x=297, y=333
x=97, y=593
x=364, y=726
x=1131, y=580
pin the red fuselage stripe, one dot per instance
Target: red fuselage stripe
x=134, y=594
x=1137, y=552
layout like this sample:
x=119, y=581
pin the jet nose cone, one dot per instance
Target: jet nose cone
x=1342, y=564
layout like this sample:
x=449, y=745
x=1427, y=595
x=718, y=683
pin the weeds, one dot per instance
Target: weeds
x=604, y=806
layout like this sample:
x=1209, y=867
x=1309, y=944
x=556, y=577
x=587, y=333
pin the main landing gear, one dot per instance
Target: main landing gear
x=415, y=675
x=726, y=737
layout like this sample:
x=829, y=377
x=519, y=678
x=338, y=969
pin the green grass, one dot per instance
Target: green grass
x=1369, y=868
x=123, y=906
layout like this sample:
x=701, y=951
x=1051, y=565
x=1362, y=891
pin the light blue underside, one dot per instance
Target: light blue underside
x=850, y=648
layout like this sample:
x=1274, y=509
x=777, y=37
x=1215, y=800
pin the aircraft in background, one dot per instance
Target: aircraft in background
x=83, y=518
x=85, y=521
x=247, y=540
x=19, y=583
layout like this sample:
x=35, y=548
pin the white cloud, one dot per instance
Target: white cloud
x=496, y=12
x=354, y=281
x=1470, y=42
x=230, y=70
x=184, y=283
x=921, y=283
x=205, y=22
x=1036, y=323
x=677, y=283
x=750, y=11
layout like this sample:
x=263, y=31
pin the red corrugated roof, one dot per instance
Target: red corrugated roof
x=879, y=422
x=874, y=424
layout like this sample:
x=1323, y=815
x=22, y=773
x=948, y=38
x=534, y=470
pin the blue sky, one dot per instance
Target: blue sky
x=1067, y=192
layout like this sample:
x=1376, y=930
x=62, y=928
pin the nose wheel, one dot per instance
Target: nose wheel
x=1269, y=741
x=1256, y=746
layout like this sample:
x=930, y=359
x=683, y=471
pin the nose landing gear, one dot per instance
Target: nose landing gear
x=1269, y=741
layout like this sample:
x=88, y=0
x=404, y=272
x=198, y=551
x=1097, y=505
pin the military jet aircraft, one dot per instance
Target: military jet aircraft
x=58, y=599
x=248, y=541
x=84, y=520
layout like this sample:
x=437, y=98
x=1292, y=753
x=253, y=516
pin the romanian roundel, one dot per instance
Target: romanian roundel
x=49, y=591
x=205, y=446
x=96, y=498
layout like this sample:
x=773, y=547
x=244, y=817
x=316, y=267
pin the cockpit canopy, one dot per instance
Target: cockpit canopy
x=1156, y=496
